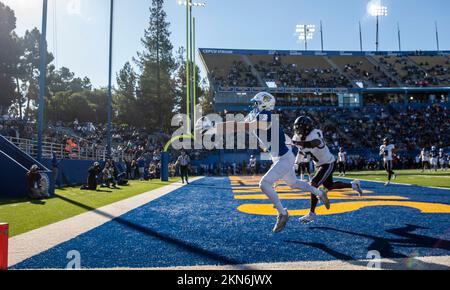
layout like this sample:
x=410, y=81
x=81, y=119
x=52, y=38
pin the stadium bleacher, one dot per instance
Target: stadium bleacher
x=234, y=68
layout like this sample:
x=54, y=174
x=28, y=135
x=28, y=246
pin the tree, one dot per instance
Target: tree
x=156, y=98
x=180, y=83
x=125, y=96
x=86, y=106
x=28, y=69
x=9, y=57
x=206, y=99
x=65, y=80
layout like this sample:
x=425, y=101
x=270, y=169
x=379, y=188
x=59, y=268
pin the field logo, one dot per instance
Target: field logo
x=344, y=200
x=74, y=260
x=375, y=260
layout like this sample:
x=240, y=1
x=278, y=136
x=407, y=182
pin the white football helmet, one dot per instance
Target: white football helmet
x=264, y=101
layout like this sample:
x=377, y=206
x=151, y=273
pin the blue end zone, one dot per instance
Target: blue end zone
x=200, y=225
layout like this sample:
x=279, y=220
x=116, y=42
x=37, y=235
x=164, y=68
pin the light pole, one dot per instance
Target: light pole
x=191, y=85
x=306, y=32
x=109, y=129
x=378, y=11
x=399, y=38
x=42, y=78
x=321, y=35
x=360, y=37
x=437, y=36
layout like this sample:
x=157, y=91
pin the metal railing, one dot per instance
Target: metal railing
x=63, y=151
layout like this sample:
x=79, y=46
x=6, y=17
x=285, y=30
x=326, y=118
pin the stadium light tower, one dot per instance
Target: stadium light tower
x=191, y=82
x=437, y=36
x=378, y=11
x=110, y=62
x=306, y=32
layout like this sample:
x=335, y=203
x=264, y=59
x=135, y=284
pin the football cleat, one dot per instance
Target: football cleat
x=324, y=198
x=309, y=218
x=281, y=223
x=356, y=185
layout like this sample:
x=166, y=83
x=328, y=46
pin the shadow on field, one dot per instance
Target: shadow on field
x=407, y=239
x=220, y=259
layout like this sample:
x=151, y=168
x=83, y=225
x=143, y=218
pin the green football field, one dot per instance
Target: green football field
x=24, y=215
x=413, y=177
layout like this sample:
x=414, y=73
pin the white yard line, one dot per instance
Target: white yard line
x=32, y=243
x=406, y=184
x=428, y=263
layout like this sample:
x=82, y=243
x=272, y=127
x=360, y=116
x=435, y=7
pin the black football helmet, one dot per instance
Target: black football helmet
x=303, y=126
x=386, y=141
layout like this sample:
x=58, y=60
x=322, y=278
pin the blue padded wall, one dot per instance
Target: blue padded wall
x=14, y=164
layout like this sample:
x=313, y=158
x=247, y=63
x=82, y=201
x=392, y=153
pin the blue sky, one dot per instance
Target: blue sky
x=81, y=26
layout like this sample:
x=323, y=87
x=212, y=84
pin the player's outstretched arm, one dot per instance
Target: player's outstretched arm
x=233, y=126
x=308, y=144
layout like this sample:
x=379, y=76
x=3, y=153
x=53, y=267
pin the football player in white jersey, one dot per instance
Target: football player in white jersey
x=303, y=163
x=342, y=161
x=311, y=141
x=283, y=159
x=425, y=158
x=387, y=151
x=434, y=155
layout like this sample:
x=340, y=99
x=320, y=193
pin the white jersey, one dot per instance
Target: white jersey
x=387, y=152
x=425, y=156
x=320, y=155
x=302, y=158
x=342, y=156
x=252, y=162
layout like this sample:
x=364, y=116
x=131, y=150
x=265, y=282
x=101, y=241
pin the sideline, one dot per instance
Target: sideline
x=412, y=263
x=32, y=243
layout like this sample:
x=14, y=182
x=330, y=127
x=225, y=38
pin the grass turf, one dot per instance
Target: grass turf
x=413, y=177
x=24, y=215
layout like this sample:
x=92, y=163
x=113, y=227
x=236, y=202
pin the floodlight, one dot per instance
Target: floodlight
x=377, y=10
x=306, y=32
x=194, y=4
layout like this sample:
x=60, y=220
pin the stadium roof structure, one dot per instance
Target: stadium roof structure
x=318, y=53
